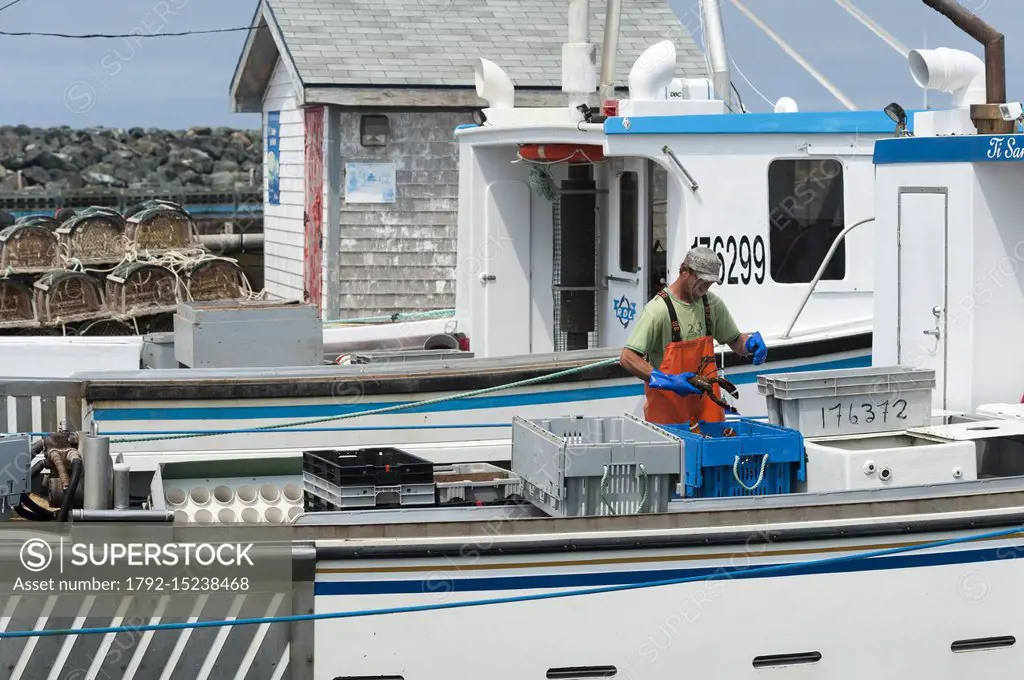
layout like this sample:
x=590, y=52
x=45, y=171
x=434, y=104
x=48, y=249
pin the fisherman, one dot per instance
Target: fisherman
x=677, y=335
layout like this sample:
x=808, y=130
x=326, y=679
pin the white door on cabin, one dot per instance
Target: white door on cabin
x=503, y=260
x=922, y=304
x=625, y=244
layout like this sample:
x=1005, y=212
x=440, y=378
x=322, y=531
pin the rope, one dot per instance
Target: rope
x=603, y=489
x=385, y=409
x=760, y=477
x=397, y=316
x=811, y=565
x=641, y=472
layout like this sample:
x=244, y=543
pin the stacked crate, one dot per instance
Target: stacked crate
x=366, y=478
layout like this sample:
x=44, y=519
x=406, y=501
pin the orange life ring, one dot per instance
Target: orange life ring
x=562, y=153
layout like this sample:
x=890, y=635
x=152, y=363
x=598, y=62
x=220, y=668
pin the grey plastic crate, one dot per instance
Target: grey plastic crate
x=368, y=496
x=474, y=483
x=849, y=401
x=577, y=465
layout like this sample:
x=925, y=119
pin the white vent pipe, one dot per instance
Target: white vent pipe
x=493, y=85
x=652, y=72
x=948, y=70
x=579, y=55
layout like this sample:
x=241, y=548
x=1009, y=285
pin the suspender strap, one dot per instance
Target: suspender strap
x=676, y=332
x=707, y=315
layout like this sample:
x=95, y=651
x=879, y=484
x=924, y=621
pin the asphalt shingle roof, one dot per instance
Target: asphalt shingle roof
x=433, y=42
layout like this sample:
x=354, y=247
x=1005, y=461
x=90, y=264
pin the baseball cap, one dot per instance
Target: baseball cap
x=704, y=263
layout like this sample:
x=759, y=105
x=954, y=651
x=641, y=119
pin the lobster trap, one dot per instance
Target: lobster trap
x=16, y=308
x=94, y=236
x=67, y=296
x=29, y=247
x=44, y=221
x=141, y=288
x=161, y=227
x=215, y=278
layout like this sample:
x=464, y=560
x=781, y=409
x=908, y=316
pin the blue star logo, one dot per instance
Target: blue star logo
x=625, y=311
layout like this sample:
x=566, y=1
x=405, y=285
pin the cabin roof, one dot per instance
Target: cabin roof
x=432, y=43
x=970, y=148
x=804, y=122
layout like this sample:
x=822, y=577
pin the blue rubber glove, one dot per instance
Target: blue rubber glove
x=755, y=345
x=678, y=383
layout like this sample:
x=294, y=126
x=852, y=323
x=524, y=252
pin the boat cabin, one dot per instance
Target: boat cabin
x=568, y=228
x=949, y=248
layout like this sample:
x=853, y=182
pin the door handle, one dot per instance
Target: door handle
x=621, y=279
x=937, y=313
x=488, y=277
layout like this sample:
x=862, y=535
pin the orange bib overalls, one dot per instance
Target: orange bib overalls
x=691, y=356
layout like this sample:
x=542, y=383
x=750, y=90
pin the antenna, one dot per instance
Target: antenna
x=873, y=26
x=836, y=92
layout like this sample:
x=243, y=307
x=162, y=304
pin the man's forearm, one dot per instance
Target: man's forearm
x=739, y=345
x=635, y=364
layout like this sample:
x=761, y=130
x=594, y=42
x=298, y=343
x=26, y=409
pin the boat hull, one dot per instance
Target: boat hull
x=898, y=615
x=147, y=421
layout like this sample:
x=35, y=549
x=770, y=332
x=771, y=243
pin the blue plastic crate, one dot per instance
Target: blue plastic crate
x=718, y=466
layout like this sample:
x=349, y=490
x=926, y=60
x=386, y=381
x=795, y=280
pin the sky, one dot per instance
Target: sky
x=179, y=82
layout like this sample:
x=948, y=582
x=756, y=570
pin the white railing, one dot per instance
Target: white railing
x=40, y=405
x=821, y=272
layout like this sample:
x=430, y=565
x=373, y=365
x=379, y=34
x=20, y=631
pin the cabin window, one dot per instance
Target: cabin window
x=805, y=215
x=628, y=222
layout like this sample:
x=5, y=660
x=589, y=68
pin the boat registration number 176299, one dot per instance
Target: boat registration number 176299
x=742, y=257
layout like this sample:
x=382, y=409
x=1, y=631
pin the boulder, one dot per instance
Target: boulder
x=201, y=157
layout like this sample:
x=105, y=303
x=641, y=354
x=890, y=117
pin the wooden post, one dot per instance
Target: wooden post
x=314, y=212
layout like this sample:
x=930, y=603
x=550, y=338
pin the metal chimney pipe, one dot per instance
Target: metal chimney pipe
x=122, y=486
x=986, y=117
x=97, y=471
x=714, y=39
x=579, y=71
x=612, y=20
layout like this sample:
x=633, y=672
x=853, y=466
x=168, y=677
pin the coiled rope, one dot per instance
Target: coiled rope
x=383, y=409
x=791, y=568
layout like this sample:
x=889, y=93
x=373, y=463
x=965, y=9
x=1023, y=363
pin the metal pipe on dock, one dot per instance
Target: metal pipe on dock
x=233, y=243
x=108, y=515
x=98, y=469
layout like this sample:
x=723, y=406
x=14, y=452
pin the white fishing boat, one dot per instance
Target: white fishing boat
x=871, y=528
x=557, y=257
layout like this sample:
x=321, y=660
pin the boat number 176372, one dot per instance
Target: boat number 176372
x=742, y=257
x=866, y=412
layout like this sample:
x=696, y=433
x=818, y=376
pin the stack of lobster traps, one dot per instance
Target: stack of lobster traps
x=101, y=271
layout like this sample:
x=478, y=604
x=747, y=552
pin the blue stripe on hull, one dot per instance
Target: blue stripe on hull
x=594, y=580
x=541, y=396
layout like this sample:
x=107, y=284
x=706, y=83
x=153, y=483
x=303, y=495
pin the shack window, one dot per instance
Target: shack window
x=628, y=216
x=805, y=215
x=374, y=130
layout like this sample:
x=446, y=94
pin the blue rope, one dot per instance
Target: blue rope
x=757, y=571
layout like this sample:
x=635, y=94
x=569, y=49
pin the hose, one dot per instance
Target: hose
x=57, y=461
x=37, y=510
x=69, y=494
x=25, y=513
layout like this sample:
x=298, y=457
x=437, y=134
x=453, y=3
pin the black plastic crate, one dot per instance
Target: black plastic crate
x=368, y=467
x=313, y=503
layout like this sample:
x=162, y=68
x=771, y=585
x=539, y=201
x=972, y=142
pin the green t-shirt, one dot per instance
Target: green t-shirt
x=653, y=330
